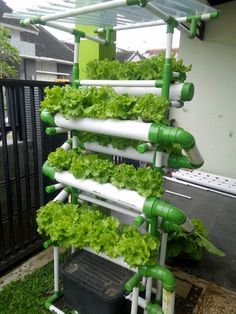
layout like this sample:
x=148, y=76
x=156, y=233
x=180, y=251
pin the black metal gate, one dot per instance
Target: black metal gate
x=23, y=149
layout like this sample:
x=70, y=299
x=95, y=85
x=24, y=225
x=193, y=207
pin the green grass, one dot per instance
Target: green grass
x=27, y=295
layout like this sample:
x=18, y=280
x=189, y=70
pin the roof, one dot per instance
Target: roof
x=157, y=51
x=12, y=22
x=69, y=45
x=125, y=55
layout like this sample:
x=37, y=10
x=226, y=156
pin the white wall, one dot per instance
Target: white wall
x=211, y=115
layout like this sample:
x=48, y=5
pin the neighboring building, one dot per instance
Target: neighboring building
x=211, y=114
x=125, y=55
x=44, y=57
x=155, y=52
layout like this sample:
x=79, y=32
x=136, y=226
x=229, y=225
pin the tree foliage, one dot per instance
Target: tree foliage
x=9, y=55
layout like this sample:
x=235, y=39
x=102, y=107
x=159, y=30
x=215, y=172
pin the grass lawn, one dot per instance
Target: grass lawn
x=27, y=295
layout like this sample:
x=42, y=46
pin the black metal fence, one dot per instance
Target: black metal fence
x=23, y=149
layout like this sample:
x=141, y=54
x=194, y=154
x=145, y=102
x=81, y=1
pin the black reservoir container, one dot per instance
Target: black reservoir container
x=93, y=285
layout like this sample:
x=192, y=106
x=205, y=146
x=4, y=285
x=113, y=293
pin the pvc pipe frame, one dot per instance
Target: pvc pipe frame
x=162, y=258
x=79, y=11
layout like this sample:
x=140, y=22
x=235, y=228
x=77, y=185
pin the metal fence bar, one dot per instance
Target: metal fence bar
x=21, y=184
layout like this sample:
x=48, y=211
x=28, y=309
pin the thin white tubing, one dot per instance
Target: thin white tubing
x=118, y=83
x=56, y=268
x=108, y=205
x=54, y=309
x=134, y=306
x=162, y=259
x=61, y=130
x=178, y=194
x=194, y=155
x=148, y=292
x=84, y=10
x=61, y=196
x=128, y=152
x=118, y=261
x=158, y=161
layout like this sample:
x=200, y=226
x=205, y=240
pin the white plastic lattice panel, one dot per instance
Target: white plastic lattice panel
x=210, y=180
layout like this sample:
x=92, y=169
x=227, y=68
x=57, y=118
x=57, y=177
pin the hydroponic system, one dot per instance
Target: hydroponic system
x=126, y=109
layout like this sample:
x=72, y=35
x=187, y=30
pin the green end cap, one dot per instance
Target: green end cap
x=214, y=15
x=48, y=171
x=47, y=244
x=142, y=148
x=187, y=91
x=50, y=131
x=50, y=188
x=134, y=281
x=138, y=221
x=47, y=118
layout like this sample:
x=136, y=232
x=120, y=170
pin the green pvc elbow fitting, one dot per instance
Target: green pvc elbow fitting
x=48, y=171
x=154, y=309
x=134, y=281
x=155, y=207
x=177, y=161
x=47, y=118
x=169, y=226
x=52, y=299
x=160, y=133
x=160, y=273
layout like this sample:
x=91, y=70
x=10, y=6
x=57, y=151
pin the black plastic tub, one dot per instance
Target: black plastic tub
x=93, y=285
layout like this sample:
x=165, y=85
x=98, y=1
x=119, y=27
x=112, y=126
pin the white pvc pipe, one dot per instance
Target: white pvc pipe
x=76, y=52
x=108, y=205
x=168, y=302
x=175, y=91
x=194, y=156
x=56, y=268
x=162, y=260
x=148, y=293
x=126, y=198
x=128, y=152
x=58, y=186
x=177, y=103
x=187, y=226
x=60, y=130
x=96, y=39
x=74, y=141
x=118, y=261
x=204, y=17
x=141, y=302
x=117, y=83
x=169, y=40
x=134, y=306
x=54, y=309
x=136, y=130
x=84, y=10
x=66, y=146
x=61, y=196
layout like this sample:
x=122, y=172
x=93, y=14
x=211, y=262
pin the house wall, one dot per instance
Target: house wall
x=210, y=116
x=65, y=68
x=29, y=69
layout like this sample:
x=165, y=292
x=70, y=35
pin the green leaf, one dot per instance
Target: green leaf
x=210, y=246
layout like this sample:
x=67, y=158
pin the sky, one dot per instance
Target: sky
x=136, y=39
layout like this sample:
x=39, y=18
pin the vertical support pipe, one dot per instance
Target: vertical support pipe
x=168, y=303
x=56, y=268
x=167, y=65
x=134, y=306
x=148, y=293
x=164, y=238
x=74, y=193
x=75, y=69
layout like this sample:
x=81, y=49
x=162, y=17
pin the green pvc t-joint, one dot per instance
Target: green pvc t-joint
x=169, y=226
x=171, y=24
x=167, y=73
x=108, y=31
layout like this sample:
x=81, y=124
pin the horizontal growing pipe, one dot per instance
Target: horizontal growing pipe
x=120, y=83
x=159, y=273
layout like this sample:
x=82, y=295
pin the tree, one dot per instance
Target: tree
x=9, y=55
